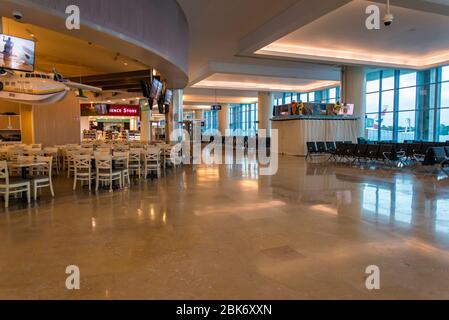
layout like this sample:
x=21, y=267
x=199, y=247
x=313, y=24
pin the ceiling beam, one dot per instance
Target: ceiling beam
x=114, y=76
x=295, y=17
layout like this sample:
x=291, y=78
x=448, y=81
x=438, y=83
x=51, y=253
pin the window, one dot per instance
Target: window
x=210, y=121
x=408, y=105
x=244, y=119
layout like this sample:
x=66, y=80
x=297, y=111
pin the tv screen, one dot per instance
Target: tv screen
x=101, y=109
x=156, y=89
x=168, y=97
x=146, y=91
x=16, y=53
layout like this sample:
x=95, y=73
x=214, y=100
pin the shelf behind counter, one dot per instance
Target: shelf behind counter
x=295, y=131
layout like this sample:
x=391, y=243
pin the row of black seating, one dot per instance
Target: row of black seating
x=426, y=153
x=323, y=147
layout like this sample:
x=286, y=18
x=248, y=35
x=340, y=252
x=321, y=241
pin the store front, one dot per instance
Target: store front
x=110, y=122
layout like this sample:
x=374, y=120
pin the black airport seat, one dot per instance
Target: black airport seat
x=311, y=149
x=385, y=151
x=373, y=151
x=331, y=146
x=435, y=155
x=362, y=151
x=351, y=150
x=447, y=151
x=321, y=146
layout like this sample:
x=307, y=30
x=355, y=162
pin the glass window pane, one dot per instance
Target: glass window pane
x=444, y=125
x=406, y=125
x=407, y=99
x=388, y=80
x=372, y=102
x=372, y=127
x=387, y=101
x=407, y=79
x=288, y=99
x=373, y=85
x=445, y=73
x=386, y=126
x=311, y=97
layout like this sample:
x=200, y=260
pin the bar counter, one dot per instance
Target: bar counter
x=295, y=131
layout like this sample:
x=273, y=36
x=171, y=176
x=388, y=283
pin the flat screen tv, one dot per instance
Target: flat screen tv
x=168, y=97
x=146, y=91
x=156, y=89
x=16, y=53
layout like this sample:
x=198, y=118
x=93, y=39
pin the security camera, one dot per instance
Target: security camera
x=388, y=19
x=17, y=15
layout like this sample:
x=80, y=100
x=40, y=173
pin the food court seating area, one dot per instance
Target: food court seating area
x=26, y=169
x=387, y=153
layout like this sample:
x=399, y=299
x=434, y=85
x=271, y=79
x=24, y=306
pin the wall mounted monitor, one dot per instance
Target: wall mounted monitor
x=168, y=97
x=156, y=89
x=146, y=90
x=16, y=53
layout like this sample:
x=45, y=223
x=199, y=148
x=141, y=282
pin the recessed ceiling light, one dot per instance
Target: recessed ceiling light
x=125, y=63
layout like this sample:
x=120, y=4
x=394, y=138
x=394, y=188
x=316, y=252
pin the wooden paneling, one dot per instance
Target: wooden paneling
x=57, y=123
x=26, y=114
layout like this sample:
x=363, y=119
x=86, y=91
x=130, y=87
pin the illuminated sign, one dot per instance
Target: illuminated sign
x=131, y=111
x=92, y=110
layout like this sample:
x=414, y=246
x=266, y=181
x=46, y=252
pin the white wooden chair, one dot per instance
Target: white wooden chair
x=135, y=162
x=152, y=162
x=10, y=186
x=83, y=170
x=123, y=165
x=42, y=177
x=54, y=153
x=105, y=173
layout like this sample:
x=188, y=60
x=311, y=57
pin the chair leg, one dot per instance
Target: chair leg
x=51, y=189
x=29, y=193
x=35, y=191
x=97, y=184
x=74, y=183
x=6, y=199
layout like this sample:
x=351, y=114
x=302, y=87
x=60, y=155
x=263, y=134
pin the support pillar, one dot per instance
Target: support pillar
x=353, y=91
x=173, y=120
x=265, y=111
x=223, y=119
x=145, y=128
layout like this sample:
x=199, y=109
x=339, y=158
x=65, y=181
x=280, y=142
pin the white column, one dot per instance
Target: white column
x=198, y=115
x=173, y=120
x=223, y=119
x=145, y=129
x=353, y=91
x=265, y=110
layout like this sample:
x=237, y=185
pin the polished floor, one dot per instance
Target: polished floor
x=222, y=232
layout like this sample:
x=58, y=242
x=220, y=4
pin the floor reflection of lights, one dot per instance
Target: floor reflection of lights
x=261, y=209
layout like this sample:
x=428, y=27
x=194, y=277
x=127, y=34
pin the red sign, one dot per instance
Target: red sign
x=129, y=111
x=92, y=110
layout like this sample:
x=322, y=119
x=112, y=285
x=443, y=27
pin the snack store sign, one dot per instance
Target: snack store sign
x=131, y=111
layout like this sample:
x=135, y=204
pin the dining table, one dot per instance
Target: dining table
x=24, y=165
